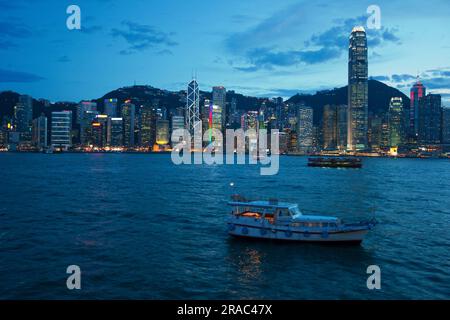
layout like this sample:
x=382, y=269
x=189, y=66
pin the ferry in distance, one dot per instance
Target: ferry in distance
x=284, y=221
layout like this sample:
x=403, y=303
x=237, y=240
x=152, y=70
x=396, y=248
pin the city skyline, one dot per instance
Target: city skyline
x=237, y=52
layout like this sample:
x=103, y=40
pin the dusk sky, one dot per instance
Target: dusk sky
x=255, y=47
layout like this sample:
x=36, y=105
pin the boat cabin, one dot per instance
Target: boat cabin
x=270, y=210
x=280, y=213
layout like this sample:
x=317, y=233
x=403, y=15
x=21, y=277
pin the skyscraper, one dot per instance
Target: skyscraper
x=23, y=114
x=177, y=122
x=357, y=90
x=219, y=97
x=341, y=123
x=395, y=120
x=61, y=136
x=148, y=126
x=162, y=132
x=304, y=129
x=129, y=118
x=192, y=106
x=418, y=91
x=430, y=119
x=40, y=132
x=86, y=126
x=110, y=107
x=446, y=125
x=84, y=106
x=115, y=132
x=329, y=127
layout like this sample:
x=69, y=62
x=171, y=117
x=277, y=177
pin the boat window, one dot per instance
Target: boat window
x=295, y=210
x=284, y=213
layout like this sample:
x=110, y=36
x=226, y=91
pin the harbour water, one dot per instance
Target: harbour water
x=140, y=227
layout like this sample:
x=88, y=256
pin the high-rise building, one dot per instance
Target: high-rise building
x=97, y=134
x=98, y=131
x=23, y=114
x=40, y=132
x=219, y=97
x=396, y=124
x=115, y=132
x=358, y=90
x=148, y=126
x=162, y=132
x=129, y=118
x=249, y=120
x=192, y=106
x=110, y=107
x=84, y=106
x=86, y=126
x=61, y=133
x=430, y=119
x=216, y=117
x=342, y=122
x=206, y=115
x=376, y=132
x=304, y=129
x=329, y=127
x=177, y=122
x=446, y=125
x=418, y=91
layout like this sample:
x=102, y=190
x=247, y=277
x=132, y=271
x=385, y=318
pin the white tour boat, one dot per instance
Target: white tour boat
x=284, y=221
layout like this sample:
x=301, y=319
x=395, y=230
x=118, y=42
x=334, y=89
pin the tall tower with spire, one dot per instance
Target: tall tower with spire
x=193, y=106
x=358, y=91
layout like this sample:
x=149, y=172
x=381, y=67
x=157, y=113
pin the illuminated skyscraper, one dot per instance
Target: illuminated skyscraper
x=395, y=120
x=86, y=126
x=110, y=107
x=61, y=135
x=177, y=122
x=148, y=126
x=23, y=114
x=219, y=95
x=446, y=125
x=330, y=127
x=342, y=122
x=97, y=135
x=418, y=91
x=192, y=106
x=162, y=132
x=304, y=129
x=115, y=132
x=357, y=90
x=430, y=119
x=84, y=106
x=129, y=119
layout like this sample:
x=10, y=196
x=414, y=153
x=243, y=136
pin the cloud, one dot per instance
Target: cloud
x=11, y=31
x=141, y=37
x=381, y=78
x=90, y=30
x=318, y=48
x=17, y=76
x=5, y=45
x=402, y=77
x=63, y=59
x=435, y=80
x=14, y=30
x=7, y=5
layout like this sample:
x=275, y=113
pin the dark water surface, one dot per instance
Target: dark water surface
x=140, y=227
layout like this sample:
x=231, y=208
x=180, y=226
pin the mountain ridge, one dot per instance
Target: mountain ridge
x=379, y=97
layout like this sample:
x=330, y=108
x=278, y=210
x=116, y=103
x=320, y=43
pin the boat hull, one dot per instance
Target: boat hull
x=289, y=234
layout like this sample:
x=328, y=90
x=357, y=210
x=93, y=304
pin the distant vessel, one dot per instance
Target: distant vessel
x=335, y=162
x=284, y=221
